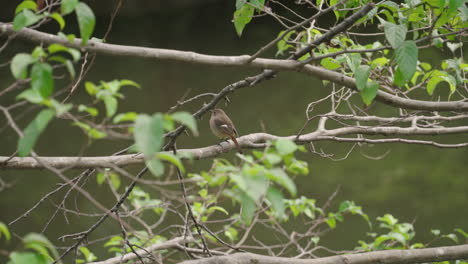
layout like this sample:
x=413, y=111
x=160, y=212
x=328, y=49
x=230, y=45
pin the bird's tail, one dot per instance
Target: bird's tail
x=237, y=144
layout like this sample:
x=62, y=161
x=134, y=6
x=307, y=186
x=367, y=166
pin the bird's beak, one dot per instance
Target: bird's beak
x=211, y=111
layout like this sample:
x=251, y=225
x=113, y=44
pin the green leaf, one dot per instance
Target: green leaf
x=259, y=4
x=330, y=63
x=331, y=221
x=276, y=199
x=57, y=17
x=54, y=48
x=19, y=65
x=129, y=83
x=217, y=208
x=440, y=76
x=361, y=75
x=90, y=131
x=252, y=181
x=382, y=61
x=123, y=117
x=169, y=157
x=100, y=177
x=4, y=230
x=42, y=79
x=463, y=233
x=149, y=139
x=248, y=207
x=395, y=34
x=68, y=6
x=33, y=131
x=115, y=180
x=187, y=120
x=242, y=17
x=285, y=146
x=279, y=176
x=39, y=240
x=111, y=105
x=28, y=4
x=25, y=18
x=86, y=21
x=353, y=60
x=70, y=68
x=407, y=59
x=231, y=233
x=91, y=88
x=27, y=258
x=88, y=255
x=370, y=92
x=31, y=95
x=58, y=107
x=90, y=110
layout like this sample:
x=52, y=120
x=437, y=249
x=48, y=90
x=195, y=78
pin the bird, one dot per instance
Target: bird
x=222, y=127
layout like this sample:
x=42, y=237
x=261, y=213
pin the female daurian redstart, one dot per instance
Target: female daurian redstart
x=223, y=127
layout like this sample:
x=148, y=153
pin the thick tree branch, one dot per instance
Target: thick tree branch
x=382, y=257
x=256, y=140
x=173, y=243
x=230, y=61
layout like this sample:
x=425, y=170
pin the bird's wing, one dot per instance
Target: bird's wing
x=226, y=128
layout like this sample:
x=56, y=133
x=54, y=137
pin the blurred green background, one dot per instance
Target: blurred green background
x=414, y=183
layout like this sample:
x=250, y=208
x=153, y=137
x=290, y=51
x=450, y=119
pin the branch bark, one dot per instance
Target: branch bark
x=382, y=257
x=173, y=243
x=229, y=61
x=255, y=140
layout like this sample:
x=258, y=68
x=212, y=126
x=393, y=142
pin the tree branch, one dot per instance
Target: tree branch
x=173, y=243
x=255, y=140
x=386, y=257
x=230, y=61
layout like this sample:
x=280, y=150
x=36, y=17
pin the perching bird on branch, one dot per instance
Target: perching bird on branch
x=222, y=126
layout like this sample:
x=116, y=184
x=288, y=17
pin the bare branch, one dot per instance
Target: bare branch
x=229, y=61
x=255, y=140
x=386, y=256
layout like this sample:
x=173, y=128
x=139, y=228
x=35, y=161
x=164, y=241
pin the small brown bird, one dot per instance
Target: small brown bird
x=222, y=126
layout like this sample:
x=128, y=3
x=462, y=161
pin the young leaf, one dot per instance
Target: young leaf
x=39, y=243
x=19, y=65
x=111, y=105
x=330, y=64
x=129, y=116
x=55, y=47
x=369, y=93
x=31, y=95
x=90, y=131
x=33, y=131
x=149, y=139
x=25, y=18
x=187, y=120
x=407, y=59
x=279, y=176
x=248, y=207
x=41, y=79
x=4, y=231
x=169, y=157
x=86, y=21
x=395, y=34
x=129, y=83
x=276, y=199
x=57, y=17
x=242, y=17
x=285, y=146
x=361, y=75
x=28, y=4
x=440, y=76
x=68, y=6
